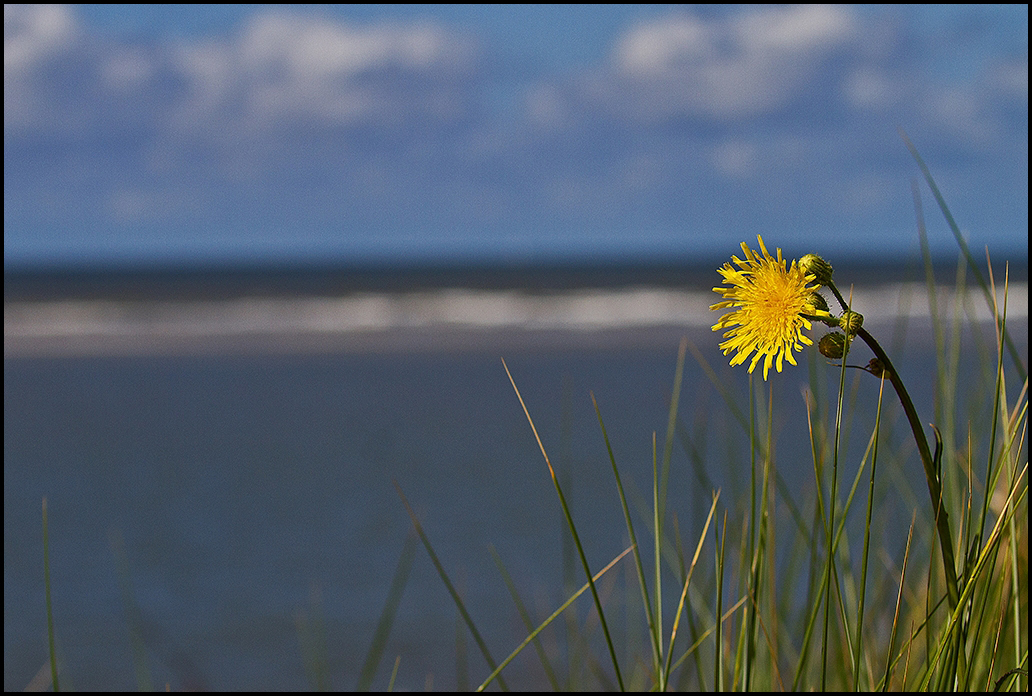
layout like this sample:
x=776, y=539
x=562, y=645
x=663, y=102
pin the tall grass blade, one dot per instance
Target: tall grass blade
x=889, y=662
x=50, y=609
x=684, y=591
x=653, y=628
x=858, y=643
x=573, y=532
x=783, y=488
x=718, y=662
x=386, y=621
x=660, y=479
x=1015, y=356
x=552, y=617
x=668, y=443
x=460, y=605
x=706, y=634
x=394, y=674
x=525, y=617
x=132, y=613
x=830, y=548
x=820, y=517
x=311, y=633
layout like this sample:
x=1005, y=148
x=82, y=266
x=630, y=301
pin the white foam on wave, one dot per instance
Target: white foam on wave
x=571, y=310
x=447, y=319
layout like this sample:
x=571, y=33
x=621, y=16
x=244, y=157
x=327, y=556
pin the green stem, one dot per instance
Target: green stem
x=942, y=519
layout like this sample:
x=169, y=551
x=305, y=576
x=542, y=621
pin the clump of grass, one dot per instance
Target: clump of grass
x=948, y=611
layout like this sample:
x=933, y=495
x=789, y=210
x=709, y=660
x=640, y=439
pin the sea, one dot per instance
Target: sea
x=227, y=457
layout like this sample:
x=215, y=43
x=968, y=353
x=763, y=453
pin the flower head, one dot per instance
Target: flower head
x=769, y=299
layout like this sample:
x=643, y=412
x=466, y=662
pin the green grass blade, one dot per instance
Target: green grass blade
x=311, y=634
x=694, y=648
x=460, y=605
x=831, y=573
x=552, y=617
x=999, y=395
x=889, y=662
x=815, y=603
x=390, y=608
x=820, y=516
x=668, y=443
x=684, y=591
x=720, y=530
x=132, y=613
x=394, y=674
x=657, y=538
x=660, y=479
x=858, y=643
x=50, y=608
x=1015, y=356
x=573, y=532
x=525, y=617
x=654, y=635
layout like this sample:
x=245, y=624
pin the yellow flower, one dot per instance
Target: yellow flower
x=769, y=299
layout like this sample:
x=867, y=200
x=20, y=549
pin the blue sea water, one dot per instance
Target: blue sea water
x=252, y=485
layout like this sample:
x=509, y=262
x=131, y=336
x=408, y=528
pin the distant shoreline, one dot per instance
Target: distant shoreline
x=202, y=282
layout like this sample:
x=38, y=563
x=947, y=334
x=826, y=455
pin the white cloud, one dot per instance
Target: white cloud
x=34, y=32
x=870, y=88
x=282, y=69
x=1011, y=78
x=127, y=70
x=314, y=47
x=33, y=35
x=277, y=69
x=743, y=65
x=650, y=50
x=795, y=30
x=734, y=158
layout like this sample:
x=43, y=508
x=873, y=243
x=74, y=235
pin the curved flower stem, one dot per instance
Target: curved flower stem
x=838, y=296
x=942, y=519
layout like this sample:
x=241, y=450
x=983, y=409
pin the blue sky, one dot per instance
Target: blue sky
x=250, y=133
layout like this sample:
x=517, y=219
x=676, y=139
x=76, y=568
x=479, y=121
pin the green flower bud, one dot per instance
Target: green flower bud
x=850, y=322
x=832, y=345
x=814, y=265
x=819, y=303
x=876, y=368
